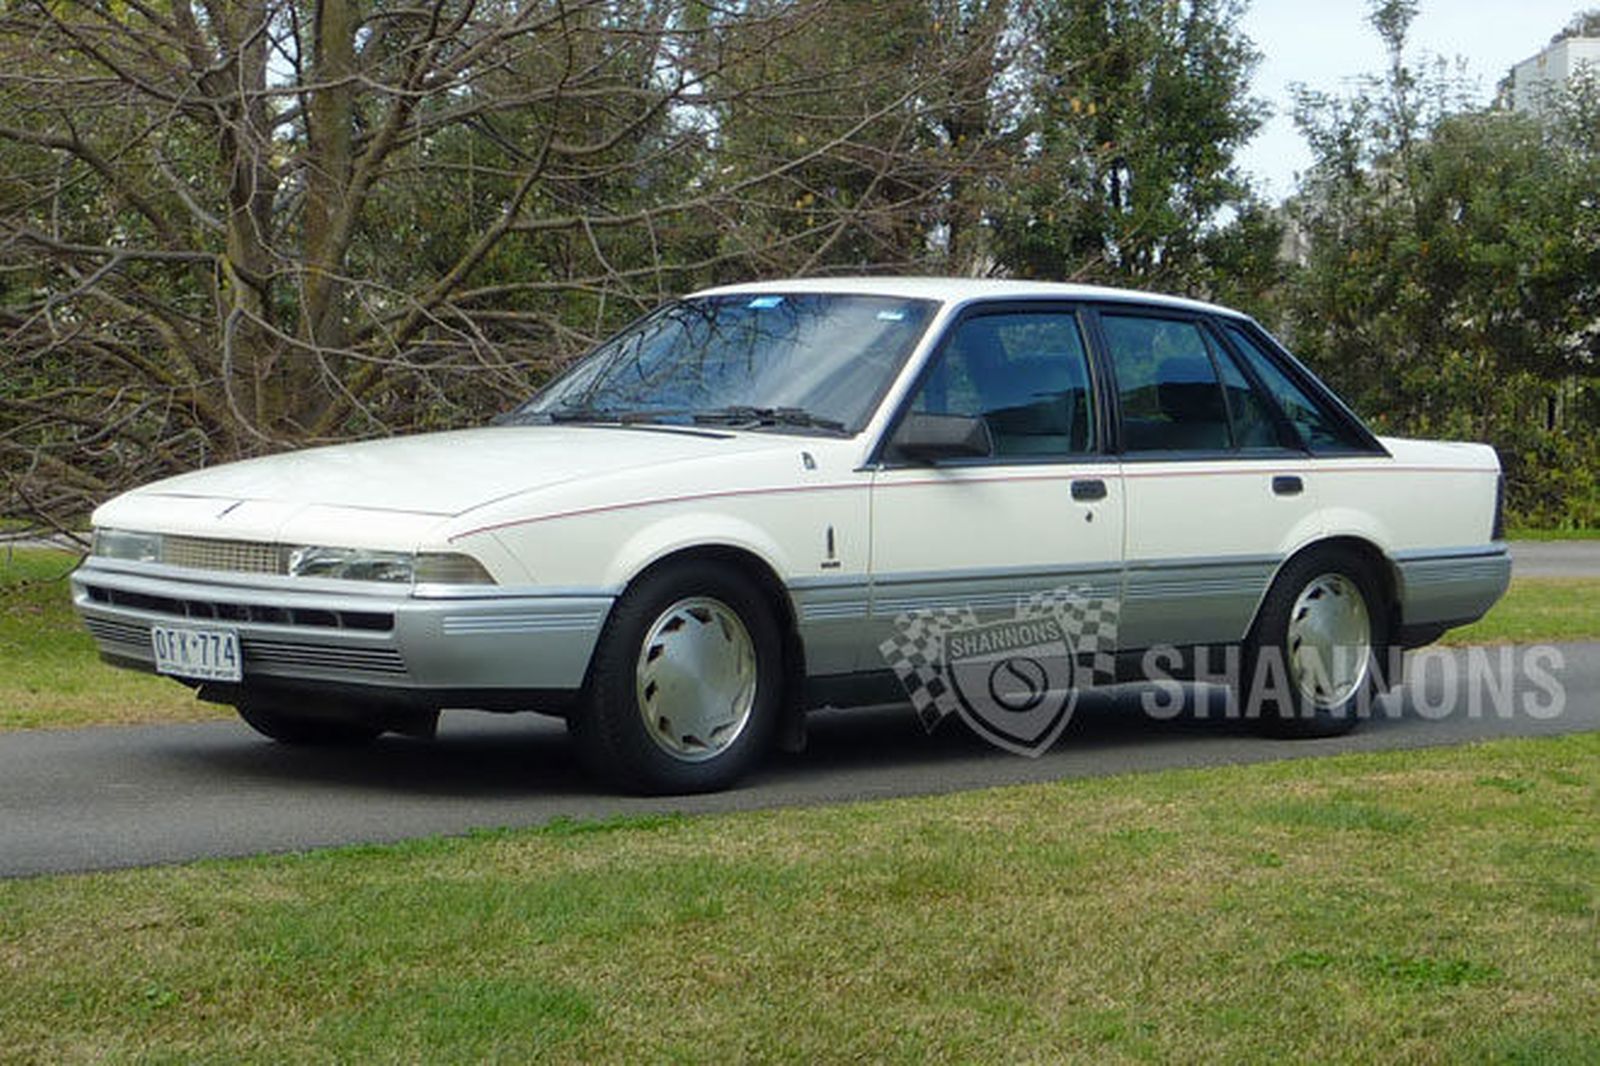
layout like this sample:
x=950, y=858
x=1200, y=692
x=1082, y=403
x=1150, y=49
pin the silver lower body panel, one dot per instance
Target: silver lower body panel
x=1451, y=588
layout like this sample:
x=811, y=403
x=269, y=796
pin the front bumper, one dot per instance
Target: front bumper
x=461, y=649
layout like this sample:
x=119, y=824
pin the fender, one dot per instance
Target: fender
x=678, y=532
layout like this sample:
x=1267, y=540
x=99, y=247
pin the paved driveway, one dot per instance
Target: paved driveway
x=98, y=798
x=1555, y=558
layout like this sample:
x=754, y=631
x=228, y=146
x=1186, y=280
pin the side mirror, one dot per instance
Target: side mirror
x=925, y=438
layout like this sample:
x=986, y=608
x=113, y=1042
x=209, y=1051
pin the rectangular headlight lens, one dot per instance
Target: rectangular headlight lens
x=125, y=544
x=360, y=564
x=352, y=564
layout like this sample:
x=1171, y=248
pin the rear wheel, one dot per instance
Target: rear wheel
x=686, y=684
x=273, y=718
x=1312, y=661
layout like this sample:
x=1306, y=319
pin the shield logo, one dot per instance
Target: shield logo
x=1013, y=680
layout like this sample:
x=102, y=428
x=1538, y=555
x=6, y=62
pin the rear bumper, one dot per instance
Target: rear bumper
x=1443, y=589
x=455, y=651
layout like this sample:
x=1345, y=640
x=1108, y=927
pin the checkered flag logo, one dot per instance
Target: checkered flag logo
x=1090, y=624
x=917, y=657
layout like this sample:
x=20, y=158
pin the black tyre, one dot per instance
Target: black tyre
x=273, y=718
x=686, y=686
x=1311, y=664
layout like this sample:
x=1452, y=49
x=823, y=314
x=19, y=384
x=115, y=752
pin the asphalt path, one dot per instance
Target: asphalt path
x=91, y=799
x=1555, y=558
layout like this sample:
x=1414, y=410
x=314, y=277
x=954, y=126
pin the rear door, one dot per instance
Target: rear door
x=1219, y=491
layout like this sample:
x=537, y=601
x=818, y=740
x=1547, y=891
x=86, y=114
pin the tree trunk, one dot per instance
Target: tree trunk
x=330, y=121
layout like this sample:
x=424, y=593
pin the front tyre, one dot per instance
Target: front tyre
x=686, y=685
x=1312, y=661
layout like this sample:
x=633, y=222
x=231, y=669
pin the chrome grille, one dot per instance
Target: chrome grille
x=238, y=556
x=109, y=631
x=287, y=654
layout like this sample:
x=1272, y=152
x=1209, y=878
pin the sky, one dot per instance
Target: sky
x=1323, y=44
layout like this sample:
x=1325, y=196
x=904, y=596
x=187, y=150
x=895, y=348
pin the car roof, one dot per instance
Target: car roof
x=960, y=290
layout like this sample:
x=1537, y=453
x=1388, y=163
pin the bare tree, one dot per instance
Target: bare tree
x=230, y=227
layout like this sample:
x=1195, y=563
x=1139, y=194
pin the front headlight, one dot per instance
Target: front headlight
x=352, y=564
x=361, y=564
x=125, y=544
x=340, y=564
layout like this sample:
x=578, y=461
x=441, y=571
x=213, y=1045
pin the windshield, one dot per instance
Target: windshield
x=792, y=360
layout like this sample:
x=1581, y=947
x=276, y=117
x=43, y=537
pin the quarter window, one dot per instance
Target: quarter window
x=1025, y=374
x=1320, y=431
x=1254, y=424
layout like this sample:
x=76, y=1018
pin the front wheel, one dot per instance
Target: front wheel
x=686, y=684
x=1312, y=662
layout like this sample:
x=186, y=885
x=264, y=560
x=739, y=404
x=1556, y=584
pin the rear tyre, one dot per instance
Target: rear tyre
x=685, y=689
x=1311, y=665
x=272, y=719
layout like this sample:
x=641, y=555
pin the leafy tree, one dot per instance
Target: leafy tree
x=1583, y=24
x=1449, y=288
x=1127, y=172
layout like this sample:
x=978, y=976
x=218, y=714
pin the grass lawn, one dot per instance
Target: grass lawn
x=1553, y=534
x=1538, y=609
x=1437, y=906
x=52, y=676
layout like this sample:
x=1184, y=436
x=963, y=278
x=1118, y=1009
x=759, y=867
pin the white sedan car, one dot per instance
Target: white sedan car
x=766, y=498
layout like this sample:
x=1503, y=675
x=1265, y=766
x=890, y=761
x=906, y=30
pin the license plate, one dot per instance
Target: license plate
x=205, y=654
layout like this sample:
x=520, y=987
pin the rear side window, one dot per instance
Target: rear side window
x=1319, y=429
x=1166, y=379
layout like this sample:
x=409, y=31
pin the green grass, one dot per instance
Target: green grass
x=53, y=677
x=1439, y=906
x=1537, y=609
x=1553, y=534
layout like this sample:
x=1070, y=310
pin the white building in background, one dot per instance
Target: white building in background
x=1534, y=80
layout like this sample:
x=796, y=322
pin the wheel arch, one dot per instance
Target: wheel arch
x=760, y=573
x=611, y=736
x=1377, y=561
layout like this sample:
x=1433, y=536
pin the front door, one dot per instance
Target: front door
x=1040, y=515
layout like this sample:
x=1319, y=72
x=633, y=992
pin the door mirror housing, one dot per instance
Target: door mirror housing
x=930, y=438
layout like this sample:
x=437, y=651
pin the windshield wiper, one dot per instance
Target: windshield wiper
x=620, y=416
x=747, y=417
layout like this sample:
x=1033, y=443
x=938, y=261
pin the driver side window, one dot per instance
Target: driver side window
x=1025, y=374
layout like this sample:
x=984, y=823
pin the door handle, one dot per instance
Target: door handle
x=1287, y=485
x=1089, y=489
